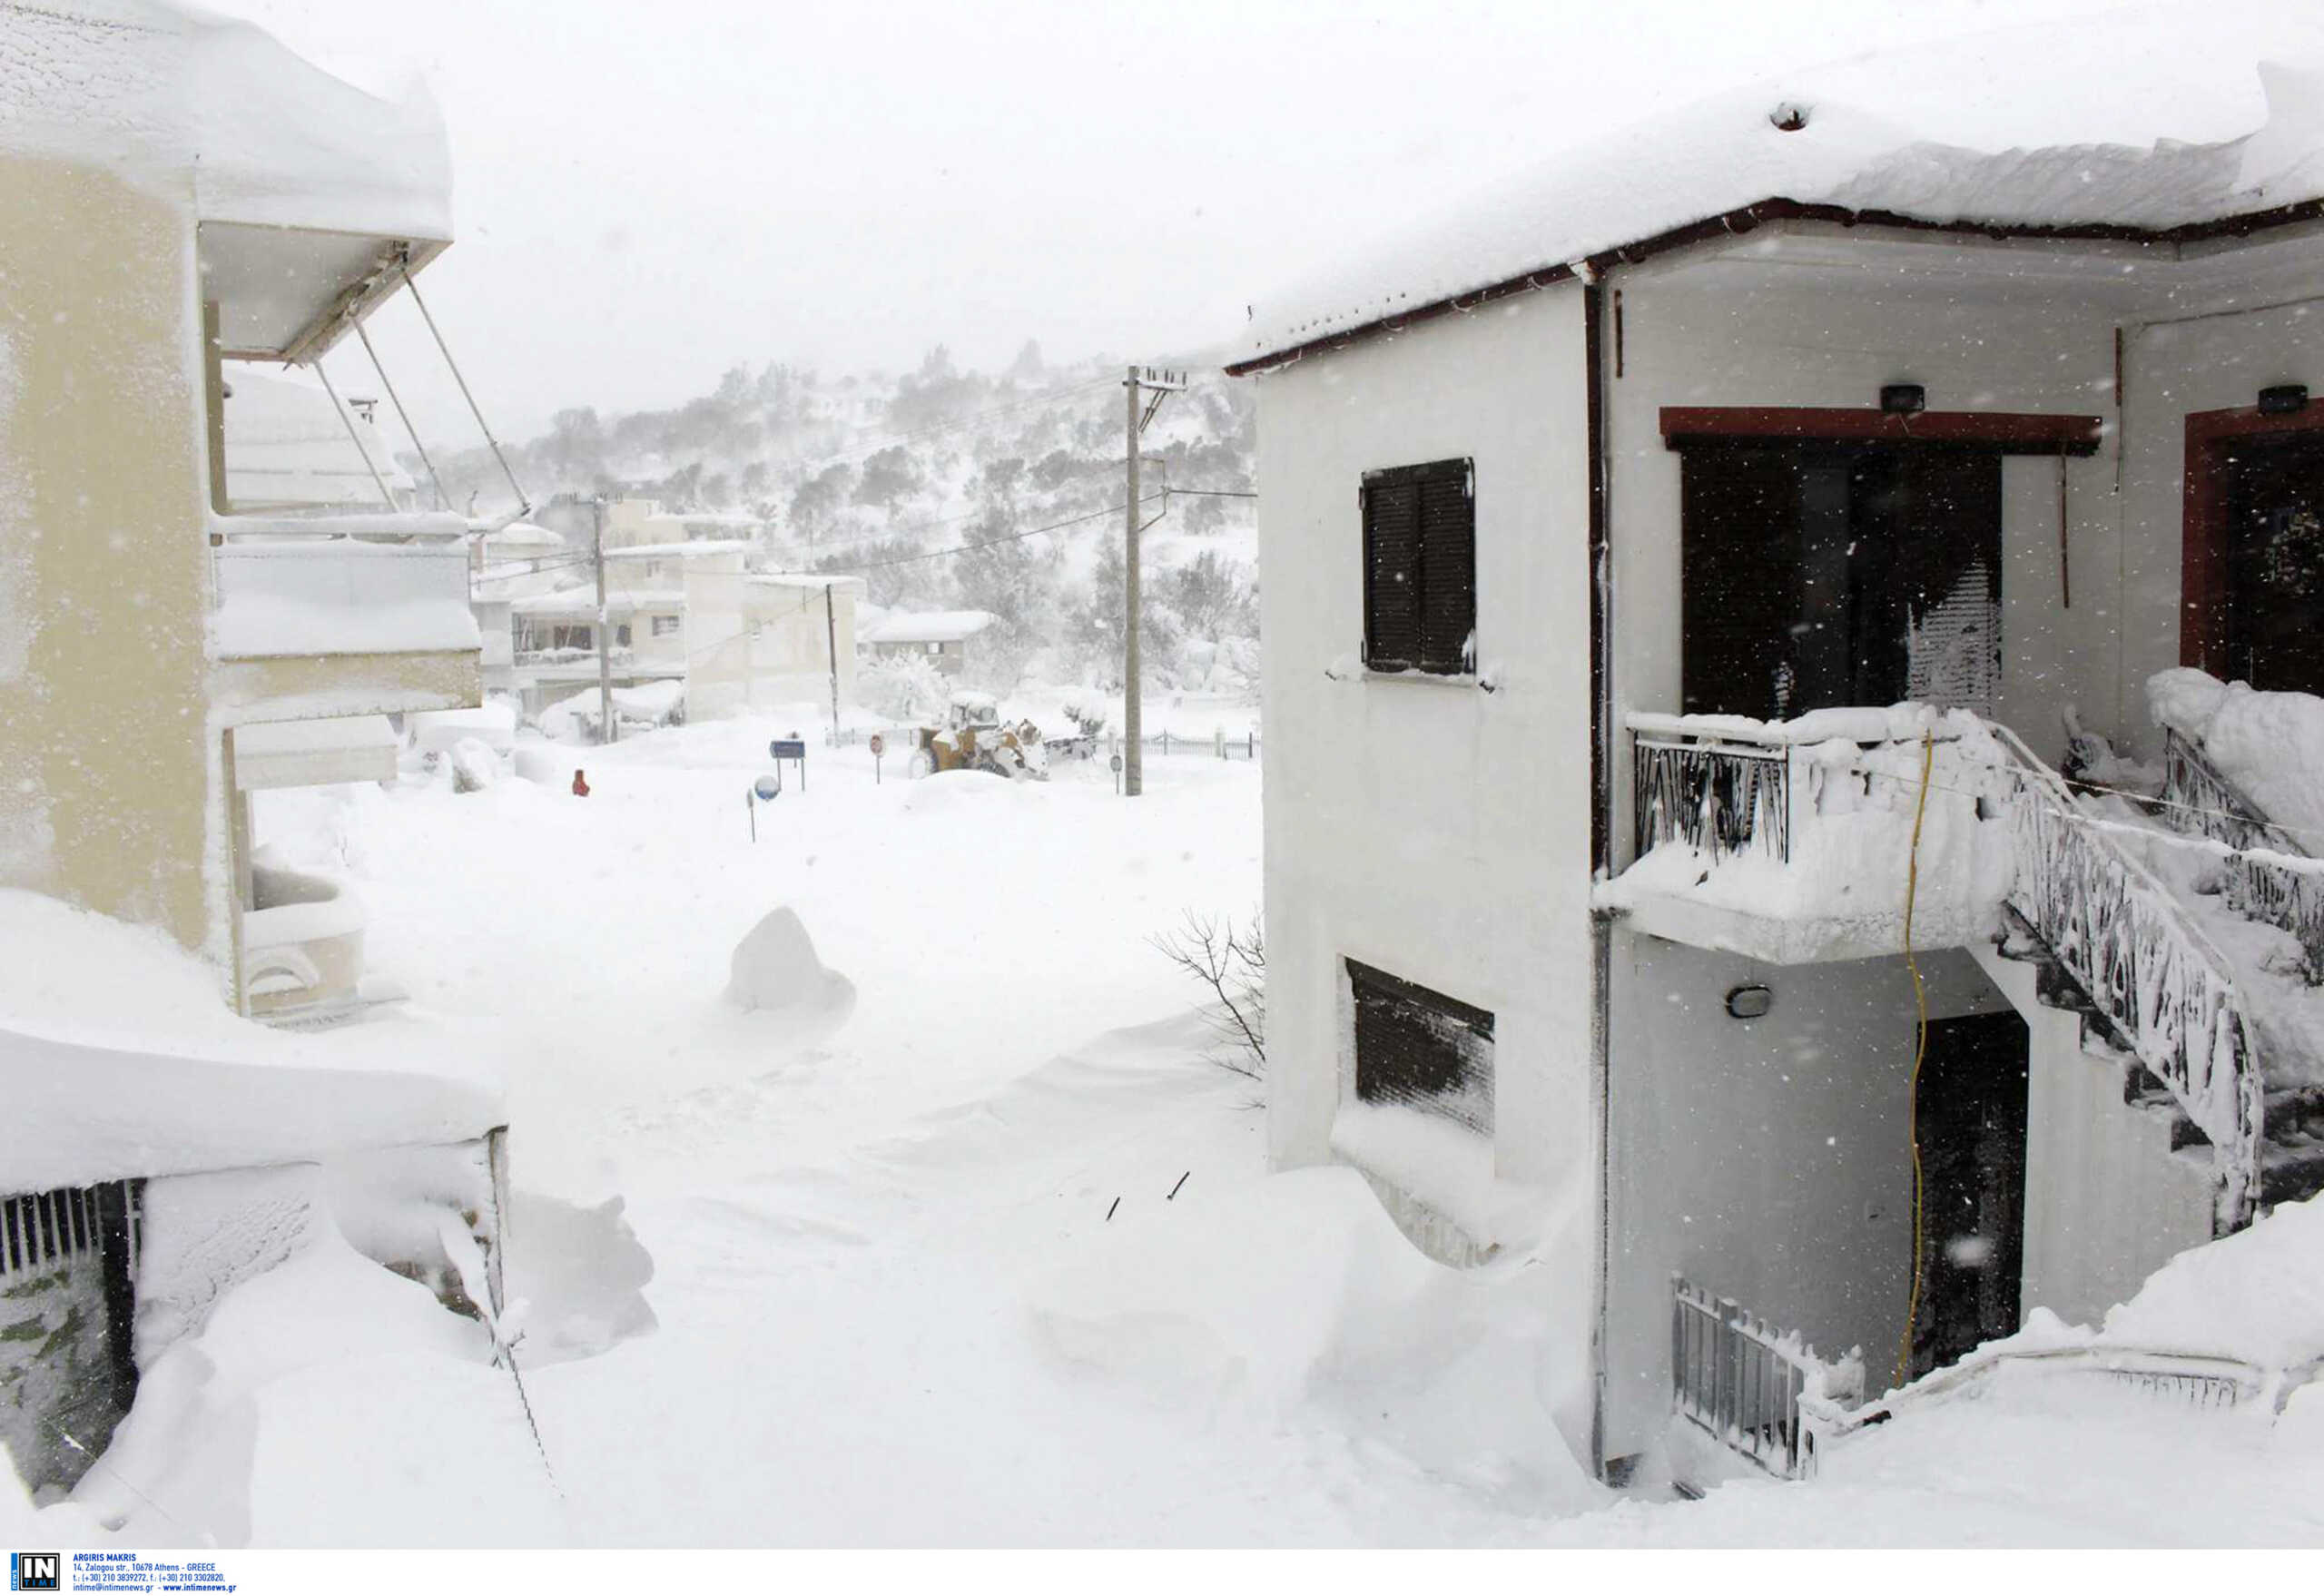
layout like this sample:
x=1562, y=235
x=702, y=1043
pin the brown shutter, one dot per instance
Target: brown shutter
x=1390, y=573
x=1448, y=564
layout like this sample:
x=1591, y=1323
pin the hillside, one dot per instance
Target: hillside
x=946, y=488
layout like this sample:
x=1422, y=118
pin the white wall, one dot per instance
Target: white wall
x=1438, y=832
x=2107, y=1202
x=1767, y=1160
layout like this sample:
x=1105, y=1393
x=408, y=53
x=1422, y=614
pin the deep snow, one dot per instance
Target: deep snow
x=921, y=1278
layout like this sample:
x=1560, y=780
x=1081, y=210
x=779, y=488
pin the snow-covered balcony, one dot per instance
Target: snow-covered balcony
x=354, y=614
x=1794, y=841
x=303, y=945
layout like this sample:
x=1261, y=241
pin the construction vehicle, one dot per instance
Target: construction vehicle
x=973, y=738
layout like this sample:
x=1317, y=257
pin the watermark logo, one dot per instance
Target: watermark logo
x=35, y=1570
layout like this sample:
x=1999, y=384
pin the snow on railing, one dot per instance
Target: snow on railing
x=1742, y=1381
x=387, y=526
x=1722, y=795
x=2147, y=966
x=2203, y=800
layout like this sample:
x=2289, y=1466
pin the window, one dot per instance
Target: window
x=1420, y=1050
x=621, y=636
x=666, y=625
x=1419, y=568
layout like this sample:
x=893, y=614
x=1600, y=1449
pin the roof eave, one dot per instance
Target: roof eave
x=1744, y=219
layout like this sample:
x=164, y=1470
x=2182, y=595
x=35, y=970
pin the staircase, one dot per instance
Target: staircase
x=2112, y=945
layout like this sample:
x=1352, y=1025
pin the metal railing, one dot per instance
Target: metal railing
x=2146, y=965
x=1740, y=1381
x=2202, y=801
x=1720, y=793
x=44, y=1228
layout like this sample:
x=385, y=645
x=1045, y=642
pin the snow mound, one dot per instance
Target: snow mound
x=474, y=766
x=949, y=790
x=577, y=1278
x=775, y=971
x=440, y=731
x=2270, y=745
x=1297, y=1292
x=2257, y=1294
x=327, y=1402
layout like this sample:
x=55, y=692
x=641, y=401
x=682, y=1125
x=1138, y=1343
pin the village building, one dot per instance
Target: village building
x=944, y=639
x=1690, y=568
x=186, y=200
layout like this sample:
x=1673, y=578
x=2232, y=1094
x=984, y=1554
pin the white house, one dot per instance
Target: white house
x=693, y=613
x=944, y=639
x=1605, y=517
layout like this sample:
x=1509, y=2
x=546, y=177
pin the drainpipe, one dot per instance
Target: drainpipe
x=1602, y=819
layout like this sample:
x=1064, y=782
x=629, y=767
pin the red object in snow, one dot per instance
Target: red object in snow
x=580, y=785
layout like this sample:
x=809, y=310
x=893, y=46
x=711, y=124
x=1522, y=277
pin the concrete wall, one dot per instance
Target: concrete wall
x=1767, y=1160
x=1432, y=829
x=104, y=573
x=2107, y=1202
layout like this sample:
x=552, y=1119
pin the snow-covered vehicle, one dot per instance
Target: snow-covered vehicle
x=973, y=738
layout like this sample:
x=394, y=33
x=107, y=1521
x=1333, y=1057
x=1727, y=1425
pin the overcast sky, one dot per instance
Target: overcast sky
x=647, y=193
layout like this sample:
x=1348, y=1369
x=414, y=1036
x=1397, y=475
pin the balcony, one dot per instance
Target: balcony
x=348, y=615
x=302, y=946
x=1791, y=841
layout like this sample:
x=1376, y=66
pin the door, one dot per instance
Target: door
x=1816, y=575
x=1970, y=1124
x=2275, y=561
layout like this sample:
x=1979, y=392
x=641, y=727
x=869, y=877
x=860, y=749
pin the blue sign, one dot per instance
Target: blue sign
x=780, y=749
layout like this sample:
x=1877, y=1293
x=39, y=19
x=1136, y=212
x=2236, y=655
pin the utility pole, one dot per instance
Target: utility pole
x=609, y=730
x=831, y=637
x=1140, y=380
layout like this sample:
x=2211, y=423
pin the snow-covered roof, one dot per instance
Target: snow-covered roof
x=519, y=535
x=2152, y=119
x=809, y=580
x=300, y=754
x=943, y=626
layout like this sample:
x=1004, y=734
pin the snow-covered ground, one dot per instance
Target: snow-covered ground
x=962, y=1241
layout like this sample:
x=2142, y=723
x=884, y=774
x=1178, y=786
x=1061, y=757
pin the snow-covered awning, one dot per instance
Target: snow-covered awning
x=312, y=754
x=2141, y=123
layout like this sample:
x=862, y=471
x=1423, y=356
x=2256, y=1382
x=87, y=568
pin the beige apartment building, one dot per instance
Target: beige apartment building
x=184, y=197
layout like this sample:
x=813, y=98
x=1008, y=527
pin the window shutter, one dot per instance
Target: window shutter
x=1420, y=1049
x=1392, y=532
x=1448, y=583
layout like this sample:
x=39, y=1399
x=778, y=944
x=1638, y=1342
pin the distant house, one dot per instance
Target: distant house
x=944, y=639
x=1599, y=545
x=693, y=613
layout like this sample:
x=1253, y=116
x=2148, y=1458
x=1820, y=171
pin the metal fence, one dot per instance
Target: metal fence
x=1740, y=1380
x=1724, y=798
x=41, y=1228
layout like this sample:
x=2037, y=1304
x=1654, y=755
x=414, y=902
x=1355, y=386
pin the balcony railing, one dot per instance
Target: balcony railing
x=325, y=584
x=2146, y=965
x=1722, y=795
x=2268, y=876
x=303, y=945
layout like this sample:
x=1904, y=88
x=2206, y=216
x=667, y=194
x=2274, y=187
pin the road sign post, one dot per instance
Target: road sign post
x=1116, y=763
x=878, y=747
x=789, y=747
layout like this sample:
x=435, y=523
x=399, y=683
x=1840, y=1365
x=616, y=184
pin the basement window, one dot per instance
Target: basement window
x=1419, y=568
x=1420, y=1049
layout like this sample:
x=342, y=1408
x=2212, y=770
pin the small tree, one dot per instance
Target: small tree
x=1233, y=965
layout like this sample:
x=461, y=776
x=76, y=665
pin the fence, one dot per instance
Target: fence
x=1740, y=1380
x=2205, y=802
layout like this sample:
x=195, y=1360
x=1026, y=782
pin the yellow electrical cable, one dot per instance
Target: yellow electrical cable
x=1920, y=1052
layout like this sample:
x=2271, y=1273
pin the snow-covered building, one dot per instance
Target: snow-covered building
x=1612, y=911
x=179, y=195
x=943, y=638
x=693, y=613
x=290, y=447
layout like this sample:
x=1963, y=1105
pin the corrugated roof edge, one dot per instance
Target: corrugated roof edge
x=1747, y=218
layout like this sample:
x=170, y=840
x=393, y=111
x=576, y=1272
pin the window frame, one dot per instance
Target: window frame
x=1429, y=481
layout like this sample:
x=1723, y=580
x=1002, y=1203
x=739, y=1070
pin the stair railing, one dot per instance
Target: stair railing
x=2146, y=965
x=2203, y=800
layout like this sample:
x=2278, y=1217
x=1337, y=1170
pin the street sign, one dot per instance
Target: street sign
x=878, y=747
x=1116, y=763
x=789, y=747
x=769, y=787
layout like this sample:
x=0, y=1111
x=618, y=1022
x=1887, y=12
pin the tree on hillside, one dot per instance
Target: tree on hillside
x=1211, y=596
x=816, y=503
x=888, y=476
